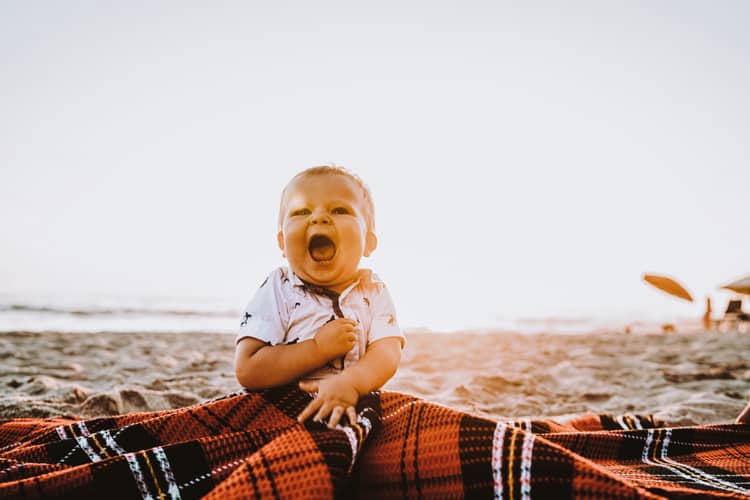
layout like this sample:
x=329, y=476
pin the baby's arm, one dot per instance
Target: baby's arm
x=376, y=367
x=340, y=393
x=259, y=365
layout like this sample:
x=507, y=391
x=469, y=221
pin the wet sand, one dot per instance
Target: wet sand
x=681, y=378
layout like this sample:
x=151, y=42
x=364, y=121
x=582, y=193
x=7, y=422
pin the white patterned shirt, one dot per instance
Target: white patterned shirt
x=284, y=311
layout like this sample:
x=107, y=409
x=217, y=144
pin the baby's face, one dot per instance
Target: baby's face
x=324, y=230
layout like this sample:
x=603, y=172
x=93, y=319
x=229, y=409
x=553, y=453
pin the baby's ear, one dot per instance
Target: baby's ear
x=280, y=238
x=371, y=243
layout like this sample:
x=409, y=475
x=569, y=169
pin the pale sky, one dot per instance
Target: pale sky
x=526, y=160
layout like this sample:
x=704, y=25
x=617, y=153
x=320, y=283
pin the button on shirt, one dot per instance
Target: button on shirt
x=285, y=311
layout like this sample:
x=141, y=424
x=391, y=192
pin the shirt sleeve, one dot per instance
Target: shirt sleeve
x=384, y=323
x=262, y=318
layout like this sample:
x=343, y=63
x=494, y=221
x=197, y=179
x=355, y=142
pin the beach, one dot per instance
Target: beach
x=681, y=378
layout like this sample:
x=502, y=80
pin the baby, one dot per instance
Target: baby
x=322, y=321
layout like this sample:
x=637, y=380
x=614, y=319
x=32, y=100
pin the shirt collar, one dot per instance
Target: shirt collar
x=366, y=277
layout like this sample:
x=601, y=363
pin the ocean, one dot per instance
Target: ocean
x=117, y=314
x=211, y=315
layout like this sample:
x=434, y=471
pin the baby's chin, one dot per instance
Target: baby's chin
x=326, y=274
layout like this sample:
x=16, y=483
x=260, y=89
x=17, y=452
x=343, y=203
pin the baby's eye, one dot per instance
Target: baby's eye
x=340, y=210
x=301, y=211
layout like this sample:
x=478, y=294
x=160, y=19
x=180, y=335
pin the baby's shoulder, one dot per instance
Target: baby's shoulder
x=370, y=282
x=280, y=274
x=279, y=280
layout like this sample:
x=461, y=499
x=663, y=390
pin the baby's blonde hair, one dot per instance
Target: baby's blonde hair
x=335, y=170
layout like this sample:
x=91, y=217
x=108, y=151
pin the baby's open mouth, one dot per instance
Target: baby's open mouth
x=321, y=248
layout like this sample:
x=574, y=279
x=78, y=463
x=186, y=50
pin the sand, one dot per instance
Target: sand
x=684, y=379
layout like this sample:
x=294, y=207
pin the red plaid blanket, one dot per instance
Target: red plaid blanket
x=250, y=445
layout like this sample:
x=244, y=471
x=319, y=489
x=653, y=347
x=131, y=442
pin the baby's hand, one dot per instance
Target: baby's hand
x=336, y=338
x=336, y=396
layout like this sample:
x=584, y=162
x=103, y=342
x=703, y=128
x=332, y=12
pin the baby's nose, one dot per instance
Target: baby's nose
x=321, y=217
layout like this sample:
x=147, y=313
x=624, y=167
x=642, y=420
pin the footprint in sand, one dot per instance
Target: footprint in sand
x=101, y=404
x=596, y=397
x=720, y=373
x=133, y=400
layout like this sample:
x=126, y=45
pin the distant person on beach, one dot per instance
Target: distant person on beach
x=707, y=322
x=322, y=320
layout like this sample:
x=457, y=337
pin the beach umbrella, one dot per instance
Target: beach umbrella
x=668, y=285
x=741, y=285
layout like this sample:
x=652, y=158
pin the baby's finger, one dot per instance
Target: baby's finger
x=308, y=386
x=336, y=414
x=351, y=413
x=309, y=409
x=323, y=412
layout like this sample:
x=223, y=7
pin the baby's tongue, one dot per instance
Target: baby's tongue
x=323, y=251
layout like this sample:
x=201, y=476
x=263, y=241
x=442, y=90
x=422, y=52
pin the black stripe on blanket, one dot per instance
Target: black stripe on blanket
x=557, y=469
x=475, y=449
